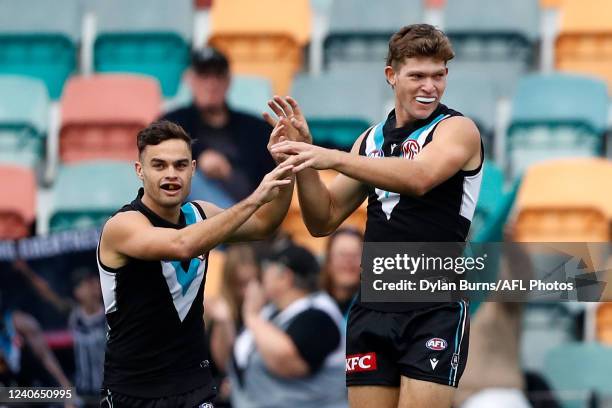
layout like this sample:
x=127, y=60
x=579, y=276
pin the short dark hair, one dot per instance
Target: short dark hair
x=160, y=131
x=419, y=40
x=209, y=61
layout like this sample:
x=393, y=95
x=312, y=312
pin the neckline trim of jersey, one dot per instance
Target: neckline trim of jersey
x=155, y=219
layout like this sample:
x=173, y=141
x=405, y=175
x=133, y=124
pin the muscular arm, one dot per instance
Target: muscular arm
x=323, y=208
x=263, y=222
x=130, y=234
x=455, y=145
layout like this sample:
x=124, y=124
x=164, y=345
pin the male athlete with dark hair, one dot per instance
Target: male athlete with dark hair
x=420, y=171
x=152, y=260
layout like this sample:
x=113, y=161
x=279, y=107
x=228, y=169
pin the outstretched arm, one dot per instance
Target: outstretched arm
x=456, y=146
x=263, y=222
x=129, y=234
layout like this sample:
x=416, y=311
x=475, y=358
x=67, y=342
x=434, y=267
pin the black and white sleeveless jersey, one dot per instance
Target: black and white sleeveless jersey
x=156, y=344
x=443, y=214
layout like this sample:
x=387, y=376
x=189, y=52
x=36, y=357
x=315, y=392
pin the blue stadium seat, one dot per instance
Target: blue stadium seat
x=478, y=29
x=494, y=204
x=359, y=30
x=340, y=106
x=576, y=370
x=149, y=37
x=80, y=203
x=247, y=93
x=39, y=38
x=556, y=115
x=24, y=112
x=476, y=99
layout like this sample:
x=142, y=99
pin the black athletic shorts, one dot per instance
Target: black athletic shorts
x=429, y=344
x=198, y=398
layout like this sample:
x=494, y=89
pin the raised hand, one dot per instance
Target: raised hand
x=305, y=155
x=270, y=186
x=290, y=115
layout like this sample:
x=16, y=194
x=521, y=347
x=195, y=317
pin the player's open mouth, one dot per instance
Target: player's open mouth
x=171, y=187
x=425, y=100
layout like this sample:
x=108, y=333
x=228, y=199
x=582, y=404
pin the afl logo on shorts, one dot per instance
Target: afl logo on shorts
x=410, y=148
x=436, y=344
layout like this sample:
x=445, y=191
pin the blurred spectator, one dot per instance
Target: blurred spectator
x=493, y=375
x=223, y=313
x=20, y=334
x=340, y=276
x=230, y=146
x=291, y=353
x=87, y=323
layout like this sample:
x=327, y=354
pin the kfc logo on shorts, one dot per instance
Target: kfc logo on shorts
x=357, y=363
x=410, y=148
x=436, y=344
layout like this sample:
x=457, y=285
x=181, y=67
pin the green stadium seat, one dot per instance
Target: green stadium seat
x=554, y=116
x=576, y=370
x=359, y=30
x=494, y=204
x=39, y=38
x=24, y=111
x=545, y=326
x=86, y=194
x=340, y=117
x=247, y=93
x=476, y=99
x=479, y=26
x=145, y=37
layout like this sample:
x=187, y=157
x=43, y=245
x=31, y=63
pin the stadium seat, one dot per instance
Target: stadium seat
x=551, y=3
x=337, y=109
x=545, y=326
x=17, y=208
x=359, y=31
x=148, y=37
x=247, y=93
x=494, y=204
x=467, y=93
x=86, y=194
x=576, y=370
x=563, y=201
x=250, y=93
x=556, y=116
x=294, y=224
x=573, y=183
x=478, y=29
x=585, y=37
x=24, y=112
x=101, y=115
x=269, y=45
x=39, y=38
